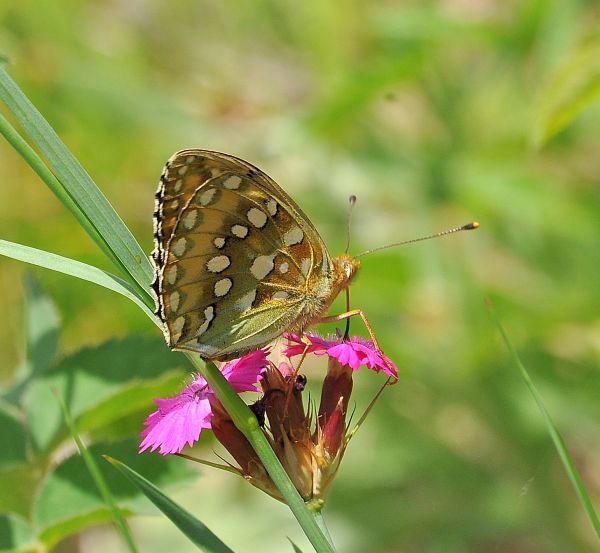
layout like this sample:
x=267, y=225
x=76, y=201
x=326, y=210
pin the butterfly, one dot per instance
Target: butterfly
x=237, y=262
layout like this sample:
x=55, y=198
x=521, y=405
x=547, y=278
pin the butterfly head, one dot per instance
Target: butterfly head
x=346, y=268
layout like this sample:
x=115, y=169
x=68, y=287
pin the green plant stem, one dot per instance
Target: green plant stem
x=36, y=163
x=99, y=480
x=246, y=422
x=318, y=514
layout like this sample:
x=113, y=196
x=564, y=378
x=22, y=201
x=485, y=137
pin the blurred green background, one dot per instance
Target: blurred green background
x=433, y=114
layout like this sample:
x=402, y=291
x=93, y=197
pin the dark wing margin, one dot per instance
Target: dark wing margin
x=195, y=317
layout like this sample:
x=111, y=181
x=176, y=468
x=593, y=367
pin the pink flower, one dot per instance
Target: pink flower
x=353, y=352
x=180, y=419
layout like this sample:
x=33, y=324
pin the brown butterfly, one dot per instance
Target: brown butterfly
x=237, y=261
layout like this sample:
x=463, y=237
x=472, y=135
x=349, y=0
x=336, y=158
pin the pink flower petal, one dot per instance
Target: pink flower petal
x=179, y=420
x=354, y=352
x=319, y=346
x=244, y=373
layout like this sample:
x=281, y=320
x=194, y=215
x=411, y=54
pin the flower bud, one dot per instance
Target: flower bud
x=337, y=388
x=240, y=449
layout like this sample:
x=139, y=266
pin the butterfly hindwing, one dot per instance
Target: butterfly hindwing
x=235, y=257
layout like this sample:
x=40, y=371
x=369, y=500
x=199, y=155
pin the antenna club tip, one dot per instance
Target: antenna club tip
x=471, y=226
x=352, y=199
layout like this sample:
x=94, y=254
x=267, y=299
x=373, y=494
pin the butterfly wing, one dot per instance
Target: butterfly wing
x=236, y=259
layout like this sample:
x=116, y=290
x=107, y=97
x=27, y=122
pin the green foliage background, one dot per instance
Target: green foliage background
x=433, y=114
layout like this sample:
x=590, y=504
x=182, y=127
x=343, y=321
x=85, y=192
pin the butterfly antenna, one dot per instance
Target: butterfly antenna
x=351, y=202
x=469, y=226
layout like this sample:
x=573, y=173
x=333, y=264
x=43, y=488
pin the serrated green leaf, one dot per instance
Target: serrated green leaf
x=41, y=337
x=96, y=474
x=12, y=437
x=18, y=486
x=41, y=326
x=100, y=385
x=69, y=500
x=75, y=268
x=74, y=524
x=15, y=535
x=195, y=530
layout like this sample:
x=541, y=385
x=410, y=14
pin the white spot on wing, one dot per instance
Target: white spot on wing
x=246, y=301
x=219, y=242
x=172, y=274
x=240, y=231
x=282, y=295
x=257, y=217
x=284, y=267
x=272, y=207
x=222, y=287
x=233, y=182
x=207, y=196
x=174, y=301
x=305, y=266
x=190, y=159
x=262, y=266
x=190, y=219
x=293, y=236
x=179, y=246
x=218, y=263
x=182, y=170
x=177, y=328
x=209, y=314
x=178, y=184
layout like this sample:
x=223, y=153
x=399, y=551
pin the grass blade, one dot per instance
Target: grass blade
x=197, y=532
x=77, y=269
x=98, y=479
x=84, y=196
x=294, y=546
x=36, y=163
x=552, y=430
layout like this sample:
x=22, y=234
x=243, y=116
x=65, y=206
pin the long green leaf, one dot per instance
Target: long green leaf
x=195, y=530
x=559, y=444
x=94, y=471
x=71, y=267
x=36, y=163
x=85, y=196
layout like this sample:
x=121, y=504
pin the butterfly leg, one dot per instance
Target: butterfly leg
x=307, y=343
x=359, y=313
x=354, y=313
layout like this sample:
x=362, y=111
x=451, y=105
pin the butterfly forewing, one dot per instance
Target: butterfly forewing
x=236, y=259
